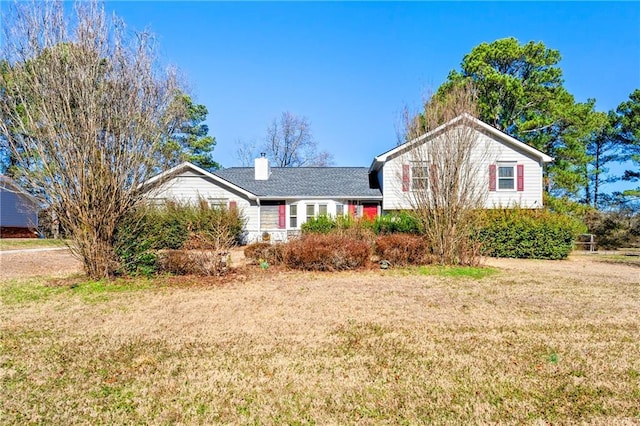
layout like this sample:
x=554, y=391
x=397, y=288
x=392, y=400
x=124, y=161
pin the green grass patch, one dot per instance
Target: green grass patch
x=16, y=292
x=100, y=291
x=474, y=272
x=27, y=243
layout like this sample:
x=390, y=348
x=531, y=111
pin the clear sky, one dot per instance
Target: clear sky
x=351, y=67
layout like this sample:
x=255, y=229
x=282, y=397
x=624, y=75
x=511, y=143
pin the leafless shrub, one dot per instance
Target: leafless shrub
x=448, y=182
x=273, y=254
x=327, y=252
x=402, y=249
x=194, y=262
x=85, y=111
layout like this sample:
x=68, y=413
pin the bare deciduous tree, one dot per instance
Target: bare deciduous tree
x=245, y=152
x=448, y=182
x=84, y=109
x=289, y=143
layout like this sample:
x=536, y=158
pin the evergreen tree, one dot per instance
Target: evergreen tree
x=520, y=91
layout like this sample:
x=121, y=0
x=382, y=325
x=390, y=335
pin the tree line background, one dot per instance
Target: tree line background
x=520, y=91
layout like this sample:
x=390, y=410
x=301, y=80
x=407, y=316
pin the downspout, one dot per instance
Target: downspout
x=259, y=216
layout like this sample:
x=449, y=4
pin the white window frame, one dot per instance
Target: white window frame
x=317, y=210
x=218, y=202
x=512, y=178
x=292, y=216
x=306, y=212
x=419, y=165
x=157, y=202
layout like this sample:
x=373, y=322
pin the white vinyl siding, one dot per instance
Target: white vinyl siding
x=489, y=150
x=189, y=186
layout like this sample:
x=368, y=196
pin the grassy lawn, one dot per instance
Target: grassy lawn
x=631, y=259
x=27, y=243
x=526, y=342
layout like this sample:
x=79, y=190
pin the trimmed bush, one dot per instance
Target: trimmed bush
x=175, y=226
x=402, y=249
x=402, y=222
x=527, y=234
x=327, y=252
x=324, y=224
x=273, y=254
x=197, y=262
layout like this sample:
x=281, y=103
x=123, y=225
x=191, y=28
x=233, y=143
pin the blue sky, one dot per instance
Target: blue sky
x=351, y=67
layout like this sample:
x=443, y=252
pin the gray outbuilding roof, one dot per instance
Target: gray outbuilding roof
x=300, y=182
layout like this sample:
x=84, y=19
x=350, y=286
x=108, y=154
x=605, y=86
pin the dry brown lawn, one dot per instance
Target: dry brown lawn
x=536, y=342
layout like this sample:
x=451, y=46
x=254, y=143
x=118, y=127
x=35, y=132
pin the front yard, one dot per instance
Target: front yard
x=552, y=341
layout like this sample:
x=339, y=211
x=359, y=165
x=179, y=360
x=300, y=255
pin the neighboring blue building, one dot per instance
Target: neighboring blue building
x=18, y=210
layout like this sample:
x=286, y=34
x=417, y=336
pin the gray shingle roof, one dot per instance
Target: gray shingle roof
x=344, y=182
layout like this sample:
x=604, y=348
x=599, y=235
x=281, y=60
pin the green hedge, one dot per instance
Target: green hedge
x=402, y=222
x=397, y=223
x=325, y=224
x=148, y=229
x=527, y=234
x=516, y=233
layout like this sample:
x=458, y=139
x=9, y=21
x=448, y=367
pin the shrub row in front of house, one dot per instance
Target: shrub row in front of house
x=157, y=238
x=402, y=222
x=195, y=239
x=515, y=233
x=335, y=251
x=527, y=234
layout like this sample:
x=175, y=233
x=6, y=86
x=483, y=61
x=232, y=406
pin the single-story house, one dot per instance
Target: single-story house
x=18, y=211
x=278, y=201
x=274, y=200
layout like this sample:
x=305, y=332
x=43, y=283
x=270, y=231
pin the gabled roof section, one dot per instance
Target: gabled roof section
x=304, y=182
x=462, y=119
x=10, y=185
x=164, y=176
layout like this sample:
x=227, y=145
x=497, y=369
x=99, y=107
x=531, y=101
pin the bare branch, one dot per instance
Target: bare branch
x=245, y=152
x=289, y=143
x=85, y=110
x=446, y=168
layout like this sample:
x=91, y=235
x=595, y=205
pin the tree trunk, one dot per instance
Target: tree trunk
x=96, y=252
x=596, y=183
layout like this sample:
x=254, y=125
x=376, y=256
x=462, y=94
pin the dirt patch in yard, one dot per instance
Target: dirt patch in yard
x=34, y=263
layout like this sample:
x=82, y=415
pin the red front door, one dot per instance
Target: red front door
x=370, y=211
